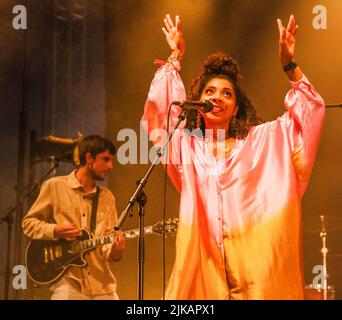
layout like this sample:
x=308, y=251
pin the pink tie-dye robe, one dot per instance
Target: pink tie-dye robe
x=239, y=233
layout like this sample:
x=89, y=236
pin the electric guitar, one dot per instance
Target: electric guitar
x=47, y=260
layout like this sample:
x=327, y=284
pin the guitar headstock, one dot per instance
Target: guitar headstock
x=170, y=227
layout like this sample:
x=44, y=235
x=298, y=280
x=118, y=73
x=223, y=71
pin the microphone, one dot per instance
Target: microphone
x=58, y=140
x=204, y=106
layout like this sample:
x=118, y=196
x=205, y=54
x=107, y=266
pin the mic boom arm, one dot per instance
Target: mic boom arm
x=204, y=106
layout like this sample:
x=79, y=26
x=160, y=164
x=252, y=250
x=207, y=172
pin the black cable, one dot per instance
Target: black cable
x=164, y=198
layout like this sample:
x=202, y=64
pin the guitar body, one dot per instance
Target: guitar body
x=47, y=260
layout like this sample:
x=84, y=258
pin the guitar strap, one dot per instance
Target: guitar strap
x=94, y=210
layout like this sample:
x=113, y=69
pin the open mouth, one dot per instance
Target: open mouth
x=217, y=109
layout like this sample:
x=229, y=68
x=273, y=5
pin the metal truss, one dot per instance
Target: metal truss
x=69, y=66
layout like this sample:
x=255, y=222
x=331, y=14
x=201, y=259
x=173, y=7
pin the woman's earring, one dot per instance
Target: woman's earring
x=233, y=126
x=198, y=120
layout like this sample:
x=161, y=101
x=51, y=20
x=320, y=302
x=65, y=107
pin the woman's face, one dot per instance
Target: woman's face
x=220, y=92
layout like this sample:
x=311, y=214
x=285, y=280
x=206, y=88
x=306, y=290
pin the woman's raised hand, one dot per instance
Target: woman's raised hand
x=174, y=36
x=287, y=40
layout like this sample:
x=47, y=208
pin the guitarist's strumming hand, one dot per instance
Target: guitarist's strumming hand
x=118, y=246
x=67, y=231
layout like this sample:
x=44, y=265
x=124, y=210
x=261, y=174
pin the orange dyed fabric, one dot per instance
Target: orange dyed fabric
x=239, y=233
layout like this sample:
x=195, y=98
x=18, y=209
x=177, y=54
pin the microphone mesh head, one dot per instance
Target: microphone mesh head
x=209, y=106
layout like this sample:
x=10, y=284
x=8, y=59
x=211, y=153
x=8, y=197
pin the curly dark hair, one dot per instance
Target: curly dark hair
x=219, y=65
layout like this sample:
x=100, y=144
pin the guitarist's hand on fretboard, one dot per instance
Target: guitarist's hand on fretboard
x=67, y=231
x=118, y=246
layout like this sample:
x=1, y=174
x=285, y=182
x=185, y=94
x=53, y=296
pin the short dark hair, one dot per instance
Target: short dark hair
x=94, y=144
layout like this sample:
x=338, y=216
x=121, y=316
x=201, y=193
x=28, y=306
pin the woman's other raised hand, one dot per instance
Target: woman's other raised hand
x=174, y=36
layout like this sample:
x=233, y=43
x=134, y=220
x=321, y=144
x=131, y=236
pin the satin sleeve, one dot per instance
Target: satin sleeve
x=166, y=87
x=304, y=126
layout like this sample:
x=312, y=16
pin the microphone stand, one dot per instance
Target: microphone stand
x=8, y=218
x=324, y=250
x=142, y=199
x=139, y=194
x=334, y=105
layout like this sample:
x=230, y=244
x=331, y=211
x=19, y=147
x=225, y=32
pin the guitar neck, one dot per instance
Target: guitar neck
x=131, y=234
x=99, y=241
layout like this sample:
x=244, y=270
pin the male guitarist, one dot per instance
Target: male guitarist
x=64, y=207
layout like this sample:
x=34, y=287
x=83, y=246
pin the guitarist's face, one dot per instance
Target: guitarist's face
x=99, y=166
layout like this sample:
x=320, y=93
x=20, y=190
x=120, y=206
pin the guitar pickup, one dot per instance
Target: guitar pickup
x=58, y=252
x=46, y=258
x=51, y=254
